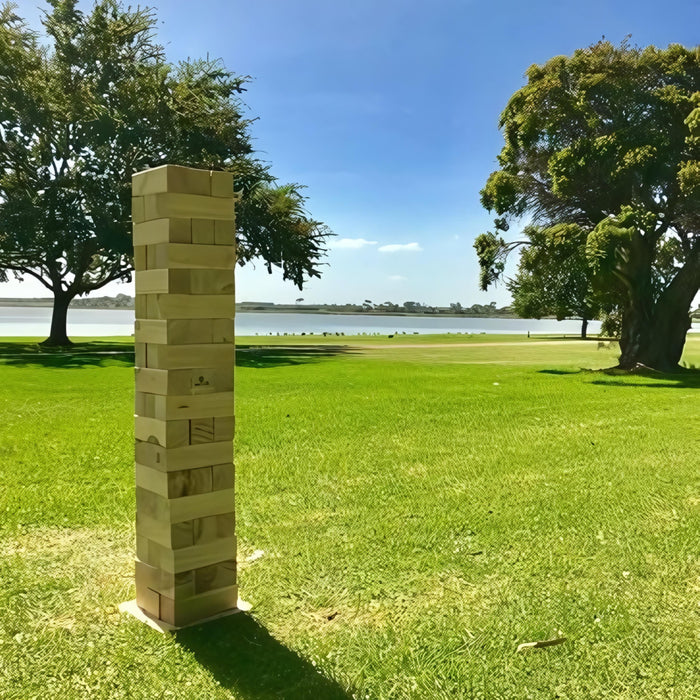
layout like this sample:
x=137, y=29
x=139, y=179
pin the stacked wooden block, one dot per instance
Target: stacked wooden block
x=184, y=257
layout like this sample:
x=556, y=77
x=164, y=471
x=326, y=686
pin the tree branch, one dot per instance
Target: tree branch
x=27, y=271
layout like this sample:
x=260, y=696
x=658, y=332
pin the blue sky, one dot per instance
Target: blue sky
x=387, y=111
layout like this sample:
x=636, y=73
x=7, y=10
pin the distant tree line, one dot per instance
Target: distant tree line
x=387, y=307
x=121, y=301
x=124, y=301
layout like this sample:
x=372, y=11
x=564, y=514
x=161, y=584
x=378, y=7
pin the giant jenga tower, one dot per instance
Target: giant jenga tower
x=184, y=257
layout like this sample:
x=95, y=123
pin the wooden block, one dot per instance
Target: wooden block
x=141, y=547
x=206, y=405
x=205, y=281
x=151, y=282
x=150, y=529
x=151, y=331
x=184, y=206
x=207, y=529
x=178, y=255
x=180, y=612
x=188, y=558
x=201, y=505
x=225, y=525
x=224, y=428
x=171, y=178
x=181, y=331
x=151, y=505
x=182, y=534
x=145, y=404
x=148, y=551
x=165, y=534
x=138, y=210
x=148, y=600
x=172, y=433
x=164, y=582
x=189, y=482
x=200, y=380
x=222, y=476
x=156, y=231
x=209, y=578
x=221, y=184
x=140, y=306
x=152, y=261
x=186, y=356
x=224, y=233
x=201, y=430
x=196, y=331
x=176, y=510
x=203, y=231
x=174, y=484
x=186, y=306
x=183, y=281
x=152, y=381
x=151, y=479
x=168, y=613
x=206, y=454
x=139, y=257
x=144, y=552
x=214, y=527
x=189, y=356
x=158, y=531
x=139, y=354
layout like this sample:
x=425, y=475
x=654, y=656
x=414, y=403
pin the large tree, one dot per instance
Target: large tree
x=99, y=102
x=607, y=141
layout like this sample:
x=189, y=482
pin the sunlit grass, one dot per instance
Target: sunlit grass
x=421, y=511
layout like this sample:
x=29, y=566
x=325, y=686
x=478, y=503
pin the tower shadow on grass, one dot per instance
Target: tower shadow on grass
x=244, y=658
x=263, y=356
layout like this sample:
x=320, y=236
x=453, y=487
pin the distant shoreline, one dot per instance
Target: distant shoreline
x=261, y=308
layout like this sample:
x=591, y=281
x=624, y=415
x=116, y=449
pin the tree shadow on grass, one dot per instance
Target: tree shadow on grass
x=109, y=353
x=91, y=354
x=662, y=381
x=264, y=356
x=243, y=657
x=684, y=379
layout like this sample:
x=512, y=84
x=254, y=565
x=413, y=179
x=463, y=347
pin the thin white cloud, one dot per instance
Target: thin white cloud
x=400, y=247
x=397, y=278
x=351, y=243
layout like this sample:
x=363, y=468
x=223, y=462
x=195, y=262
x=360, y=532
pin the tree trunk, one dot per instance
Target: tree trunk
x=59, y=317
x=634, y=334
x=584, y=327
x=653, y=334
x=665, y=346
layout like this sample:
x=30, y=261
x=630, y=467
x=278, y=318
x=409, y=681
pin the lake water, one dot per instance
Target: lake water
x=28, y=321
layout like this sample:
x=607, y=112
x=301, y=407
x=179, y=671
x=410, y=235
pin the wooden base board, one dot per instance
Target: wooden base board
x=131, y=608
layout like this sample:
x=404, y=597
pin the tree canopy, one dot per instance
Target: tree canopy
x=80, y=115
x=606, y=143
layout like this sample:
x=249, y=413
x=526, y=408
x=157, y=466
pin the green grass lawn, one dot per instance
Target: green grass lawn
x=407, y=516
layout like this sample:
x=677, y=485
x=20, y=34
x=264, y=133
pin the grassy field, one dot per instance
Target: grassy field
x=409, y=511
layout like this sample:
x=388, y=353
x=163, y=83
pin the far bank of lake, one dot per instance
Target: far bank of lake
x=34, y=322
